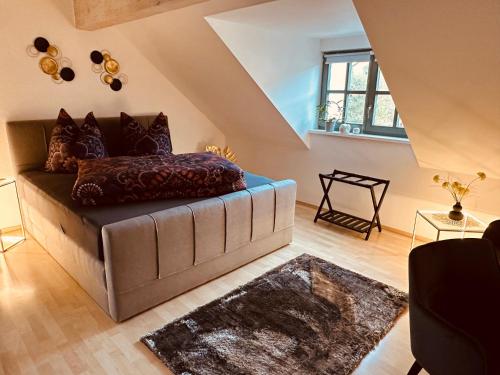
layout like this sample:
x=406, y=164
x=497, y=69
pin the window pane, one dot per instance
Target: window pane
x=399, y=123
x=384, y=110
x=355, y=109
x=336, y=103
x=358, y=76
x=381, y=83
x=338, y=73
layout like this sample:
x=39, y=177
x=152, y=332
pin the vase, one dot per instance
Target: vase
x=329, y=125
x=344, y=128
x=456, y=214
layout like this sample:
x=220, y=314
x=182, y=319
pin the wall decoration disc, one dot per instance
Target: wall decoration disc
x=112, y=66
x=53, y=51
x=96, y=57
x=32, y=51
x=49, y=65
x=96, y=68
x=107, y=78
x=116, y=85
x=123, y=78
x=41, y=44
x=67, y=74
x=65, y=62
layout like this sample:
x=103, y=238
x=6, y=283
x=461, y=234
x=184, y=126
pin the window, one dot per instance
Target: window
x=356, y=92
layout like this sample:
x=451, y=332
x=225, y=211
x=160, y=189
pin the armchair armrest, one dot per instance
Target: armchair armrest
x=492, y=233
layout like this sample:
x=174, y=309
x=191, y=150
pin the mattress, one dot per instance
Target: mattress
x=50, y=195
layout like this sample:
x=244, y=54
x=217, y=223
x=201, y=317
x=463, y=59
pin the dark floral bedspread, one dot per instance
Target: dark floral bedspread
x=138, y=178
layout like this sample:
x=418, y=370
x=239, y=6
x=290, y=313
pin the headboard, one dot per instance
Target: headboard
x=29, y=140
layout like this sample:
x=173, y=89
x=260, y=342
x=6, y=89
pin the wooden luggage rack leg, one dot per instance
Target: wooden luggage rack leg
x=344, y=219
x=326, y=198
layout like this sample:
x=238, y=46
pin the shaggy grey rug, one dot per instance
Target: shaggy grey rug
x=307, y=316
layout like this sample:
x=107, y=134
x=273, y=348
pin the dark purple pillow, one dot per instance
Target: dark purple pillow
x=70, y=143
x=139, y=141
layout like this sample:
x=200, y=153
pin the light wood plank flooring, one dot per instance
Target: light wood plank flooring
x=49, y=325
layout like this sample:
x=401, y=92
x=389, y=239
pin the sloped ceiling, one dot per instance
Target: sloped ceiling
x=311, y=18
x=183, y=47
x=441, y=60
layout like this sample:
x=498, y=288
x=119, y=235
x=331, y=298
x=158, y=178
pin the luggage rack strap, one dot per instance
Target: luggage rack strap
x=357, y=179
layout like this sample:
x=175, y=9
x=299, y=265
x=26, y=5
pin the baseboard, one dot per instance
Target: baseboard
x=307, y=204
x=386, y=227
x=10, y=229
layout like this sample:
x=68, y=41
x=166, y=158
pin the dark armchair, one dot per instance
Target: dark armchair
x=455, y=306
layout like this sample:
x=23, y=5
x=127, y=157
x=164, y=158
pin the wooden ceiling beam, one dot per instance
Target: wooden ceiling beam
x=97, y=14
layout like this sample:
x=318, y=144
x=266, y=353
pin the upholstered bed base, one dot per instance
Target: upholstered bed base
x=152, y=258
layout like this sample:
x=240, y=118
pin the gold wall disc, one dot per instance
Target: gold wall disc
x=49, y=65
x=52, y=51
x=112, y=66
x=108, y=78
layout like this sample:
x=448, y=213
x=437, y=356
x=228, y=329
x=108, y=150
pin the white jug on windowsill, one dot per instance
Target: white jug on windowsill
x=344, y=128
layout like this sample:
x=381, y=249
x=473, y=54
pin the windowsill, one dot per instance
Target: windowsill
x=371, y=137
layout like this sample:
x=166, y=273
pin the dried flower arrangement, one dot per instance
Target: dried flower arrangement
x=225, y=152
x=458, y=191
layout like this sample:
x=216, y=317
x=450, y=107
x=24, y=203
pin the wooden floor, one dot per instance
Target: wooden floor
x=49, y=325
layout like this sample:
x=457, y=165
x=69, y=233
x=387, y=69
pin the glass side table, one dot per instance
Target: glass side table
x=7, y=240
x=440, y=221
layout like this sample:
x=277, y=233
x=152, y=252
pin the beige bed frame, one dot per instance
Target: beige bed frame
x=151, y=258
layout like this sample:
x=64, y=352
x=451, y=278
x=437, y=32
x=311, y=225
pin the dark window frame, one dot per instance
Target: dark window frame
x=371, y=92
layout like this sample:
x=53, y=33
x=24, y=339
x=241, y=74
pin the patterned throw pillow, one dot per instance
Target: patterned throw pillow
x=70, y=143
x=139, y=141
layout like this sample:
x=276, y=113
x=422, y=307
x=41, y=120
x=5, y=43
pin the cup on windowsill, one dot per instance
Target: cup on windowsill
x=344, y=128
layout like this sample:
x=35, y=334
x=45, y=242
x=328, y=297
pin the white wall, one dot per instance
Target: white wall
x=411, y=186
x=27, y=93
x=286, y=66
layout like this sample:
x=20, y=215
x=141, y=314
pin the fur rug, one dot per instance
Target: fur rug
x=307, y=316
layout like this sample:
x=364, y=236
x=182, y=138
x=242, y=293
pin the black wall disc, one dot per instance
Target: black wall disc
x=96, y=57
x=67, y=74
x=41, y=44
x=116, y=85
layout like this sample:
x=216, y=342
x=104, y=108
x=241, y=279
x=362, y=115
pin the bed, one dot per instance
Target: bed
x=134, y=256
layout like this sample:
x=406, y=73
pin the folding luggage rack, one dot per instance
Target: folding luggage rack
x=344, y=219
